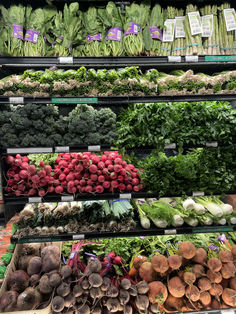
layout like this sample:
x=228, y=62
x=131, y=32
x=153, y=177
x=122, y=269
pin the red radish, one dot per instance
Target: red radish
x=93, y=169
x=23, y=174
x=101, y=165
x=110, y=168
x=79, y=168
x=118, y=161
x=106, y=184
x=101, y=179
x=24, y=165
x=95, y=159
x=56, y=182
x=82, y=182
x=25, y=159
x=117, y=168
x=120, y=178
x=64, y=183
x=10, y=159
x=66, y=171
x=86, y=175
x=18, y=162
x=10, y=182
x=103, y=158
x=129, y=188
x=108, y=162
x=62, y=177
x=99, y=189
x=32, y=169
x=50, y=189
x=32, y=192
x=70, y=177
x=124, y=164
x=41, y=193
x=74, y=162
x=112, y=156
x=135, y=181
x=59, y=189
x=35, y=178
x=111, y=255
x=63, y=164
x=134, y=175
x=76, y=182
x=136, y=188
x=78, y=176
x=117, y=260
x=94, y=177
x=123, y=172
x=42, y=173
x=48, y=169
x=90, y=182
x=18, y=193
x=67, y=157
x=88, y=189
x=113, y=176
x=121, y=187
x=41, y=163
x=70, y=184
x=114, y=184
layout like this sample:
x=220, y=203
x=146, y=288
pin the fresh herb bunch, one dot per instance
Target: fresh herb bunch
x=182, y=123
x=208, y=170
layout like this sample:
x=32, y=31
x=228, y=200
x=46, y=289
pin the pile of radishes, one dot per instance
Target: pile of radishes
x=31, y=285
x=72, y=173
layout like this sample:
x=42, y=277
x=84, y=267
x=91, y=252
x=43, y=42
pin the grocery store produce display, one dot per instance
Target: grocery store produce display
x=129, y=82
x=139, y=29
x=50, y=219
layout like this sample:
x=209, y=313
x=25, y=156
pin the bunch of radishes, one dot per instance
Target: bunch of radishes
x=72, y=173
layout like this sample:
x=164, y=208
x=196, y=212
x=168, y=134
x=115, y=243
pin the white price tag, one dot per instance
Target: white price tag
x=125, y=196
x=195, y=22
x=67, y=198
x=207, y=25
x=169, y=30
x=174, y=58
x=228, y=311
x=198, y=193
x=66, y=60
x=16, y=100
x=230, y=19
x=33, y=150
x=78, y=237
x=170, y=231
x=191, y=58
x=35, y=200
x=62, y=149
x=211, y=144
x=170, y=146
x=94, y=148
x=179, y=27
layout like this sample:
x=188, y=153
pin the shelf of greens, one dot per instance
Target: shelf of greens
x=108, y=31
x=45, y=222
x=32, y=129
x=129, y=81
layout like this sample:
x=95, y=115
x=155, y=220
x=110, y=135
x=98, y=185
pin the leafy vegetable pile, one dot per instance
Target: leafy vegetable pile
x=209, y=170
x=181, y=123
x=32, y=125
x=75, y=217
x=129, y=81
x=138, y=29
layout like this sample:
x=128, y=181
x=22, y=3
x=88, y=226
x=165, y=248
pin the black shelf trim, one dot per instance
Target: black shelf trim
x=142, y=61
x=119, y=100
x=131, y=233
x=102, y=148
x=13, y=200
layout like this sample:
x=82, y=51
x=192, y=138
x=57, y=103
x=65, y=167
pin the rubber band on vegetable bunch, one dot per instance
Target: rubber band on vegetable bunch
x=152, y=34
x=37, y=24
x=67, y=30
x=92, y=46
x=111, y=18
x=166, y=47
x=11, y=36
x=193, y=42
x=136, y=17
x=178, y=46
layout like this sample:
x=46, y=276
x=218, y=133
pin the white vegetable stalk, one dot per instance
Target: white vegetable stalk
x=199, y=209
x=222, y=221
x=178, y=221
x=144, y=220
x=226, y=208
x=212, y=207
x=188, y=204
x=160, y=223
x=193, y=222
x=233, y=220
x=208, y=221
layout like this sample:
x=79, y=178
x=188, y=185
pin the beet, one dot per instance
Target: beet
x=29, y=299
x=44, y=285
x=18, y=281
x=51, y=261
x=50, y=249
x=8, y=301
x=34, y=280
x=34, y=266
